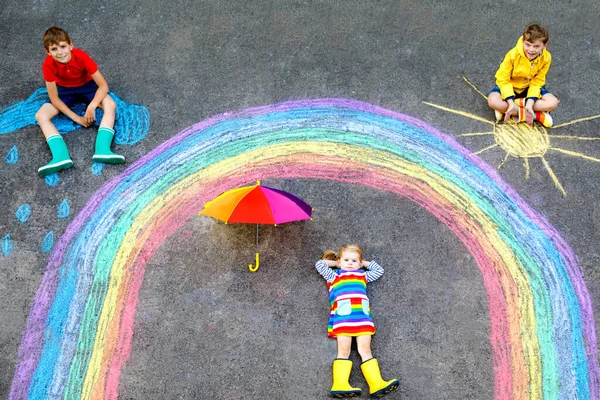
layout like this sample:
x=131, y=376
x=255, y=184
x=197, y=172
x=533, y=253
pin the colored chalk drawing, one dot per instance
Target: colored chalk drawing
x=97, y=168
x=52, y=180
x=48, y=242
x=524, y=141
x=79, y=332
x=23, y=213
x=64, y=209
x=13, y=155
x=131, y=124
x=7, y=245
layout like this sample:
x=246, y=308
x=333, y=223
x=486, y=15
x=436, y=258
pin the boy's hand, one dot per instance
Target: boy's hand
x=513, y=109
x=529, y=113
x=90, y=115
x=81, y=121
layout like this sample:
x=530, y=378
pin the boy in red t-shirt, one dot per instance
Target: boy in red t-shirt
x=73, y=77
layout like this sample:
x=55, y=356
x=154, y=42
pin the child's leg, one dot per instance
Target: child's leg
x=44, y=119
x=58, y=148
x=370, y=369
x=501, y=107
x=496, y=103
x=106, y=134
x=548, y=102
x=344, y=344
x=342, y=367
x=363, y=343
x=110, y=108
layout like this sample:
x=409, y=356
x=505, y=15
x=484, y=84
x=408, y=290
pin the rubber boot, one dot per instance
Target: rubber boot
x=60, y=156
x=341, y=373
x=377, y=386
x=102, y=152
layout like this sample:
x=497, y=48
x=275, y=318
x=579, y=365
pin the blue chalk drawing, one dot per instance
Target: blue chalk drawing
x=48, y=242
x=64, y=209
x=97, y=168
x=131, y=124
x=7, y=245
x=23, y=213
x=13, y=155
x=52, y=179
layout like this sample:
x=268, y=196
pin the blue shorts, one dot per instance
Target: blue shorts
x=79, y=94
x=523, y=94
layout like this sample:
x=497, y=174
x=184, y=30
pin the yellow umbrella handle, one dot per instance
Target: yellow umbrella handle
x=254, y=268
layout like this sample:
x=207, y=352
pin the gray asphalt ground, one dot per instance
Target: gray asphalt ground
x=207, y=328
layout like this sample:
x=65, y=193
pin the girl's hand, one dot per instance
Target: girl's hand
x=365, y=263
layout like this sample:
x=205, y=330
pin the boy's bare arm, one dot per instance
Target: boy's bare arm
x=62, y=107
x=90, y=112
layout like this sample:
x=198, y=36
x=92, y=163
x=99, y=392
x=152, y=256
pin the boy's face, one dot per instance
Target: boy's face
x=534, y=48
x=61, y=51
x=349, y=261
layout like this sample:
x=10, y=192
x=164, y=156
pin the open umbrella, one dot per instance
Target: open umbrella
x=257, y=204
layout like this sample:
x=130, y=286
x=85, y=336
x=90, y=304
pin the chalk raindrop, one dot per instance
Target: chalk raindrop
x=48, y=242
x=7, y=245
x=52, y=179
x=13, y=155
x=64, y=209
x=23, y=213
x=97, y=168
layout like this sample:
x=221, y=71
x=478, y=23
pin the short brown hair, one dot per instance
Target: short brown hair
x=535, y=32
x=55, y=35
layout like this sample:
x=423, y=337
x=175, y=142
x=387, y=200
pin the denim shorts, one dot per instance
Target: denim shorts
x=79, y=94
x=523, y=94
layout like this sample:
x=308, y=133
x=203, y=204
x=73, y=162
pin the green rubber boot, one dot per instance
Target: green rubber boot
x=102, y=152
x=60, y=156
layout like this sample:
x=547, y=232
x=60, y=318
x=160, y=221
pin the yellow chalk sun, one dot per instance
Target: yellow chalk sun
x=522, y=141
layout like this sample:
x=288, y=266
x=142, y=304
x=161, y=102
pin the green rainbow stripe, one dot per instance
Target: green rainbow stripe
x=79, y=330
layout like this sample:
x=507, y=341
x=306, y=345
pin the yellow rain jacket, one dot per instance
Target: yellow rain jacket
x=518, y=73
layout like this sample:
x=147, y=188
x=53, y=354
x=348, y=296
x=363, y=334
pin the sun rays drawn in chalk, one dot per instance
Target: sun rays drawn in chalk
x=520, y=140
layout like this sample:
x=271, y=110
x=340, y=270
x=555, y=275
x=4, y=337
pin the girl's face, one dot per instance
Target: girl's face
x=350, y=260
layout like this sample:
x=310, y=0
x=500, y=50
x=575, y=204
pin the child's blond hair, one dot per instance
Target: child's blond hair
x=332, y=255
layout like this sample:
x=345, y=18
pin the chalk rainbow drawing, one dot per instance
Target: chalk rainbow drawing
x=79, y=331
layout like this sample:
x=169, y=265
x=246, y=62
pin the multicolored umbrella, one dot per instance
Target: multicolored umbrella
x=257, y=204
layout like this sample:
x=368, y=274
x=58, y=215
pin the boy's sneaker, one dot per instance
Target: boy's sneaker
x=544, y=118
x=498, y=116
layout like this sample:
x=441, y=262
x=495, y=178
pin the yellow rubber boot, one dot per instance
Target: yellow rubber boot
x=341, y=373
x=377, y=386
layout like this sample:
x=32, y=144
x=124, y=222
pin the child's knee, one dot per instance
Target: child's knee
x=44, y=113
x=494, y=100
x=108, y=104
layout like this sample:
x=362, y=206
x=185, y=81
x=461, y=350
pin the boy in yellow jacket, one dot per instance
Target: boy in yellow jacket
x=519, y=92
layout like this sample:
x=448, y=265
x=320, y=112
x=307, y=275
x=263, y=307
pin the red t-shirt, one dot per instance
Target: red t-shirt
x=76, y=72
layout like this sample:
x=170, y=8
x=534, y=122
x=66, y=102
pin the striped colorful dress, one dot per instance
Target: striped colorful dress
x=350, y=309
